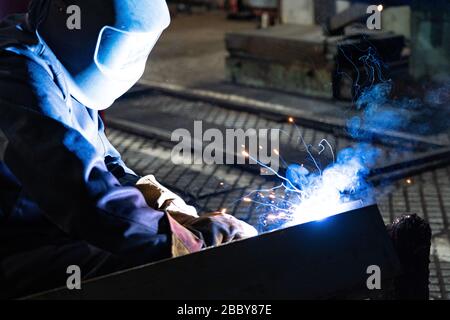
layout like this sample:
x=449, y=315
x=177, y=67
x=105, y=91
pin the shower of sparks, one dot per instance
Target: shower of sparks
x=313, y=194
x=304, y=196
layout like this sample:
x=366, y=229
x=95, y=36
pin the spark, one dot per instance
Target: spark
x=323, y=148
x=305, y=195
x=308, y=150
x=269, y=169
x=380, y=7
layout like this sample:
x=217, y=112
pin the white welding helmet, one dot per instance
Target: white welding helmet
x=104, y=53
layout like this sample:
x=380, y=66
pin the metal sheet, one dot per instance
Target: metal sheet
x=321, y=259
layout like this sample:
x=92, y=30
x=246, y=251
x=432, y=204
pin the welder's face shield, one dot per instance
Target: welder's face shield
x=105, y=57
x=122, y=55
x=119, y=62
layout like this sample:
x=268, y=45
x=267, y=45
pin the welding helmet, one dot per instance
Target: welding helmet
x=103, y=45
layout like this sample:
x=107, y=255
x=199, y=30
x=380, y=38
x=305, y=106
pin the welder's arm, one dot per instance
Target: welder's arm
x=114, y=162
x=160, y=198
x=65, y=176
x=69, y=180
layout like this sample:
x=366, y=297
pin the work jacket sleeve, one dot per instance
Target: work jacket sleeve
x=114, y=161
x=67, y=176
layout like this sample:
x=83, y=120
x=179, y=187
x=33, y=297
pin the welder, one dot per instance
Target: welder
x=66, y=196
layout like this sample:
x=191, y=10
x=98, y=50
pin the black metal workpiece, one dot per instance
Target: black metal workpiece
x=411, y=237
x=316, y=260
x=406, y=168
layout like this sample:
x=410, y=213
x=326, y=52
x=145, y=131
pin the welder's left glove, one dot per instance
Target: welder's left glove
x=160, y=198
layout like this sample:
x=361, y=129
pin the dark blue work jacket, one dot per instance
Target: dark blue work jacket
x=62, y=199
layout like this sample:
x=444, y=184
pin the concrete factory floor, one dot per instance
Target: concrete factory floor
x=189, y=61
x=191, y=56
x=191, y=52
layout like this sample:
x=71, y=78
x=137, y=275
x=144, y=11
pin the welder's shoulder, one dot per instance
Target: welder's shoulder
x=27, y=83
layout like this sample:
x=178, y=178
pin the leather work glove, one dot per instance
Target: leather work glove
x=218, y=228
x=213, y=228
x=160, y=198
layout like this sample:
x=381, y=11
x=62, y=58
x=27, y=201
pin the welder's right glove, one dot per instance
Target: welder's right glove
x=218, y=228
x=213, y=228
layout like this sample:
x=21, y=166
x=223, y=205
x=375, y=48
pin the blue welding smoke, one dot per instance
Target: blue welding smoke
x=311, y=196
